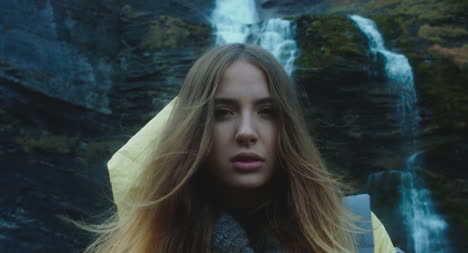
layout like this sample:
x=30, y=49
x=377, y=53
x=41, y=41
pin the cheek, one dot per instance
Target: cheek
x=271, y=136
x=219, y=136
x=273, y=145
x=219, y=141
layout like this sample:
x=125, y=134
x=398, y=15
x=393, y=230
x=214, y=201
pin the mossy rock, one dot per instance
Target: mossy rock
x=444, y=15
x=392, y=27
x=328, y=40
x=441, y=34
x=427, y=10
x=172, y=32
x=397, y=30
x=440, y=70
x=444, y=91
x=99, y=150
x=45, y=142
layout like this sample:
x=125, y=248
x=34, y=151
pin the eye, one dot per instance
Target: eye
x=222, y=112
x=268, y=111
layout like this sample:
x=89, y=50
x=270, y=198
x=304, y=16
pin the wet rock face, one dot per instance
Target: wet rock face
x=433, y=36
x=352, y=110
x=56, y=73
x=55, y=48
x=67, y=50
x=268, y=8
x=156, y=54
x=332, y=48
x=193, y=11
x=76, y=80
x=40, y=190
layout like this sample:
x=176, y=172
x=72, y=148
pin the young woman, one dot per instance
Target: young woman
x=229, y=167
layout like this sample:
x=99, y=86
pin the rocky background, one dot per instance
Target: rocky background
x=78, y=78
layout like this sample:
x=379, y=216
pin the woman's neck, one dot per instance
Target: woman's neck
x=243, y=200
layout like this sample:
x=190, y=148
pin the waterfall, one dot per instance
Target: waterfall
x=426, y=229
x=233, y=20
x=415, y=221
x=238, y=21
x=277, y=36
x=399, y=74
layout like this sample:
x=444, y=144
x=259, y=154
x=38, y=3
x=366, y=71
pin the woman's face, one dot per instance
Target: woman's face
x=245, y=134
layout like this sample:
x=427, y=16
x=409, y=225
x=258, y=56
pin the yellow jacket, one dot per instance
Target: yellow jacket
x=127, y=161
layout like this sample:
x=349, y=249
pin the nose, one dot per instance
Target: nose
x=246, y=132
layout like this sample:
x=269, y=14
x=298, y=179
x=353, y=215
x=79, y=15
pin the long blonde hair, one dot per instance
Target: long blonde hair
x=171, y=212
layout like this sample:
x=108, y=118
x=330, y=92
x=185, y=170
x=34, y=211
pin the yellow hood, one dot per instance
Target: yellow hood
x=129, y=160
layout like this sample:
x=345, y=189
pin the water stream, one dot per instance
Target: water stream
x=426, y=229
x=233, y=21
x=277, y=36
x=399, y=76
x=238, y=21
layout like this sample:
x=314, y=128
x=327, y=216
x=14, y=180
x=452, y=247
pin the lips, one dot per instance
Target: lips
x=247, y=161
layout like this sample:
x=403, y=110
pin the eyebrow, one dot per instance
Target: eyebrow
x=231, y=101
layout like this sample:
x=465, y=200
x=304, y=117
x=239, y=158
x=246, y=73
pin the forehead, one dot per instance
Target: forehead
x=242, y=79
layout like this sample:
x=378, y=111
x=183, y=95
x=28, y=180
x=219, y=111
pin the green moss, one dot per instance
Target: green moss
x=424, y=10
x=343, y=8
x=395, y=29
x=441, y=33
x=372, y=6
x=391, y=26
x=47, y=143
x=440, y=71
x=445, y=90
x=325, y=40
x=172, y=32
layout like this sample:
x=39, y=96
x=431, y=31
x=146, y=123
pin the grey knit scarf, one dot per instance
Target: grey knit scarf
x=230, y=237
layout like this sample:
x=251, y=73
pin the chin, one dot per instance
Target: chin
x=248, y=183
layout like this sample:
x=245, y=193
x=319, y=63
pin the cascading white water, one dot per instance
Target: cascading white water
x=399, y=74
x=237, y=21
x=277, y=36
x=426, y=225
x=233, y=20
x=427, y=229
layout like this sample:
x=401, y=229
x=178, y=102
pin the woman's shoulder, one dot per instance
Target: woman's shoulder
x=377, y=240
x=382, y=241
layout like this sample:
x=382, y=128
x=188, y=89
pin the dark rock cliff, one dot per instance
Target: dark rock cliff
x=76, y=79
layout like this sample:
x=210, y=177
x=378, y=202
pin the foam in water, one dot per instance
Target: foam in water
x=233, y=20
x=237, y=21
x=277, y=36
x=426, y=226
